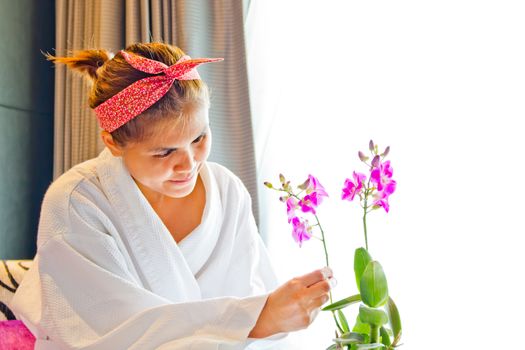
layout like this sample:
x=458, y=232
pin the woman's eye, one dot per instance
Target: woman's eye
x=169, y=151
x=163, y=155
x=199, y=139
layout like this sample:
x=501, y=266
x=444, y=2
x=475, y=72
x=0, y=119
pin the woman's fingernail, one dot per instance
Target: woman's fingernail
x=327, y=272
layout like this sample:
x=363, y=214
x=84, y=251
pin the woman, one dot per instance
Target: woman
x=149, y=246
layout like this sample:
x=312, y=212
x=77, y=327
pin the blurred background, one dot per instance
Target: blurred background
x=443, y=84
x=308, y=84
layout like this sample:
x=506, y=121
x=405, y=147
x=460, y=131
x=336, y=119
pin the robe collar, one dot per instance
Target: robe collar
x=165, y=268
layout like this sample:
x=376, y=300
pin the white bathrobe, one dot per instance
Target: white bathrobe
x=108, y=274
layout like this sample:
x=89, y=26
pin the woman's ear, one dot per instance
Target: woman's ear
x=110, y=143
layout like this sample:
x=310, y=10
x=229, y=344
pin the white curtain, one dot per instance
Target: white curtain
x=442, y=84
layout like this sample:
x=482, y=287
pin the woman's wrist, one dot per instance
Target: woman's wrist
x=261, y=330
x=258, y=333
x=264, y=327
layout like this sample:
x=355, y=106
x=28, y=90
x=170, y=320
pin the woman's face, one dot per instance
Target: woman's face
x=168, y=162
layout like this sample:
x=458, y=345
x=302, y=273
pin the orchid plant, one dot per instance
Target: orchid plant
x=378, y=324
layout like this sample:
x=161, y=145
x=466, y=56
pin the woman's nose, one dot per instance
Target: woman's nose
x=187, y=162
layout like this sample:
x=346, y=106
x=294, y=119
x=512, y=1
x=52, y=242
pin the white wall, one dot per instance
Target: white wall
x=442, y=83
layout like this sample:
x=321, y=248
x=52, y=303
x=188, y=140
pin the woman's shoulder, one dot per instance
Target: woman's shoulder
x=79, y=175
x=67, y=188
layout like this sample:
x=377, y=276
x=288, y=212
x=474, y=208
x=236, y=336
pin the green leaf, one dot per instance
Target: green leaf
x=396, y=340
x=341, y=304
x=361, y=327
x=385, y=338
x=376, y=317
x=374, y=288
x=361, y=260
x=332, y=347
x=350, y=338
x=393, y=316
x=344, y=322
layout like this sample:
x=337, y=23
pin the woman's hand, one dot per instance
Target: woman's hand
x=295, y=304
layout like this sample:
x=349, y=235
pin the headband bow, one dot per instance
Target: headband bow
x=142, y=94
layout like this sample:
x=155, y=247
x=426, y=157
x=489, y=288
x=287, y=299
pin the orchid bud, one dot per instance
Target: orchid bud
x=304, y=185
x=385, y=153
x=362, y=156
x=375, y=149
x=283, y=199
x=282, y=179
x=267, y=184
x=376, y=161
x=371, y=146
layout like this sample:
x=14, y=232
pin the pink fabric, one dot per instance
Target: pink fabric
x=14, y=335
x=142, y=94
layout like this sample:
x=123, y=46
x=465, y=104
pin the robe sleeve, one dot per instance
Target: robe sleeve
x=81, y=295
x=251, y=251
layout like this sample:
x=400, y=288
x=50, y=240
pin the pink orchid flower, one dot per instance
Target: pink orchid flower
x=351, y=188
x=381, y=197
x=381, y=175
x=314, y=197
x=310, y=202
x=291, y=206
x=301, y=230
x=315, y=186
x=381, y=201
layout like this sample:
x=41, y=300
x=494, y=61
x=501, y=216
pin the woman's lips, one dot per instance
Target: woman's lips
x=183, y=181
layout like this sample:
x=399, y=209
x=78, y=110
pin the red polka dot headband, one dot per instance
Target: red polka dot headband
x=142, y=94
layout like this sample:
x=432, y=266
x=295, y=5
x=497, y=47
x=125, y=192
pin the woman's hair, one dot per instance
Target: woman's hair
x=112, y=75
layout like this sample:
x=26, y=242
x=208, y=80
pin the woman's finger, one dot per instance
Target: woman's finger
x=315, y=276
x=322, y=287
x=320, y=301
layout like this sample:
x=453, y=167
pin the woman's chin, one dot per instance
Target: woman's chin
x=179, y=190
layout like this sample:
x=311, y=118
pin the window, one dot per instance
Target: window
x=442, y=83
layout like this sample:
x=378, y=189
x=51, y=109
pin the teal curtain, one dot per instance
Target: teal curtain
x=26, y=121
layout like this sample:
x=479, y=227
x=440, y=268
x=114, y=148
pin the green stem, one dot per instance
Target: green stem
x=337, y=323
x=374, y=334
x=325, y=250
x=328, y=265
x=323, y=239
x=364, y=219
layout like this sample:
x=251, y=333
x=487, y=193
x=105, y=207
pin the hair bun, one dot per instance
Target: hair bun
x=84, y=61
